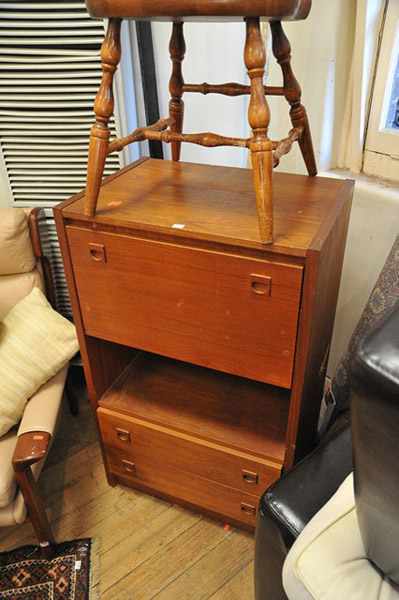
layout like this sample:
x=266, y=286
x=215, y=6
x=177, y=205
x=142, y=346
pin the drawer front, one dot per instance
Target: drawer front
x=183, y=486
x=225, y=312
x=155, y=448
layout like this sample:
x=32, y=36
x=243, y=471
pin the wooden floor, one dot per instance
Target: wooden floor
x=148, y=547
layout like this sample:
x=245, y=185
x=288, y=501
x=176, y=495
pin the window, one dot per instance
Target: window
x=392, y=119
x=382, y=142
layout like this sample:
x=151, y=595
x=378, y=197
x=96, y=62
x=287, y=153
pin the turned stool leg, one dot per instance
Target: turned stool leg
x=177, y=49
x=103, y=108
x=259, y=118
x=293, y=93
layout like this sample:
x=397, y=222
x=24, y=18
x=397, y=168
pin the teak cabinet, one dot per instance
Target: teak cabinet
x=204, y=350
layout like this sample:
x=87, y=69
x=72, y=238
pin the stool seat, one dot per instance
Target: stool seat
x=219, y=10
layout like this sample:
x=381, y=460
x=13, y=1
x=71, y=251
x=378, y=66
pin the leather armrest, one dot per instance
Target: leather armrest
x=377, y=361
x=300, y=494
x=41, y=412
x=375, y=426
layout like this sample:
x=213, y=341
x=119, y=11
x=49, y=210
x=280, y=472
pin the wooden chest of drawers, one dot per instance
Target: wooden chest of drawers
x=179, y=465
x=204, y=350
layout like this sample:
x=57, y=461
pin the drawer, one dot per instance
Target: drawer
x=226, y=312
x=153, y=448
x=183, y=486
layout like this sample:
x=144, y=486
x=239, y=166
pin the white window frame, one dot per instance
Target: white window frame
x=381, y=156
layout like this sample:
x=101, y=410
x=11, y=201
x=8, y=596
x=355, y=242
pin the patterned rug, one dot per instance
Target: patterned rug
x=26, y=575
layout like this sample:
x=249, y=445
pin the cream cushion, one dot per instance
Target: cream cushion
x=15, y=287
x=35, y=343
x=16, y=253
x=8, y=484
x=328, y=560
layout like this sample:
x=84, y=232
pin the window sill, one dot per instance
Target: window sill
x=374, y=184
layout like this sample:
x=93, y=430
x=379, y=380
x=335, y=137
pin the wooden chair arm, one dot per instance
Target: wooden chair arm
x=34, y=230
x=30, y=449
x=33, y=221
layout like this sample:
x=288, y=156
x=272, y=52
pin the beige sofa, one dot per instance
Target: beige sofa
x=23, y=450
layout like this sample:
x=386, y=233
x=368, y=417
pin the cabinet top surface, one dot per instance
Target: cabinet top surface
x=216, y=204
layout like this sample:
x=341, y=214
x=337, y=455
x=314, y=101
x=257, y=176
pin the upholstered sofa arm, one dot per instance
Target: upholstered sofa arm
x=42, y=410
x=288, y=505
x=299, y=495
x=375, y=426
x=377, y=361
x=39, y=422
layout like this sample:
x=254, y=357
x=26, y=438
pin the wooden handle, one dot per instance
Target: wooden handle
x=249, y=509
x=261, y=284
x=128, y=466
x=97, y=252
x=123, y=435
x=250, y=477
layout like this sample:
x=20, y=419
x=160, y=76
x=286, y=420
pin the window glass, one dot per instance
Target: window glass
x=392, y=119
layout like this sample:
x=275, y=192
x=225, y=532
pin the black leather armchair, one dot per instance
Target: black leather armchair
x=288, y=505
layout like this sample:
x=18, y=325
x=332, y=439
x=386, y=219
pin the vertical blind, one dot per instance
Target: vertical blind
x=50, y=71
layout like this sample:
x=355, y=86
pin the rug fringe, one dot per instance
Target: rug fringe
x=95, y=570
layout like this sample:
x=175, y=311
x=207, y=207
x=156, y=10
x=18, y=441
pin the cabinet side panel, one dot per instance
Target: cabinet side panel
x=102, y=361
x=320, y=294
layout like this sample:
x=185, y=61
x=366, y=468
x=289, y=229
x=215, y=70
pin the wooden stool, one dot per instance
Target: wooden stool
x=265, y=153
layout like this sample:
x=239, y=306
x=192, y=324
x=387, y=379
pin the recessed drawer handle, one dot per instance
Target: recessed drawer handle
x=123, y=435
x=261, y=284
x=249, y=509
x=250, y=477
x=97, y=252
x=128, y=466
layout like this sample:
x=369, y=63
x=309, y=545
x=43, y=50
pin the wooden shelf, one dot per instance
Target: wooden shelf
x=239, y=413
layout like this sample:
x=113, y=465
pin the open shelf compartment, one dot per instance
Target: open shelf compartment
x=232, y=411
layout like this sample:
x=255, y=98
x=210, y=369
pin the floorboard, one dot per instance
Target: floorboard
x=149, y=548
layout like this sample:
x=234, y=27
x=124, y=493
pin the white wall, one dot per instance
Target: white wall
x=321, y=56
x=373, y=227
x=214, y=54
